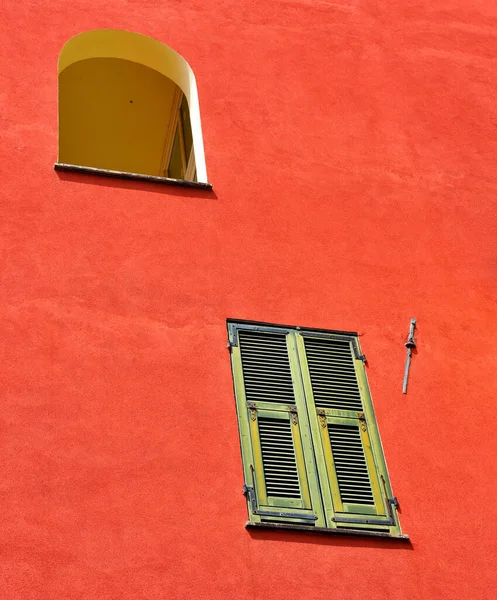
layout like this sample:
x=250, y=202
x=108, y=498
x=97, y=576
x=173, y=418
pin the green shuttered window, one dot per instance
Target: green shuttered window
x=310, y=446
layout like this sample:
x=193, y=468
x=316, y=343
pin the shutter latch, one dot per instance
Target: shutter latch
x=391, y=501
x=249, y=493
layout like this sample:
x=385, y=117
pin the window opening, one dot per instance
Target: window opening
x=129, y=103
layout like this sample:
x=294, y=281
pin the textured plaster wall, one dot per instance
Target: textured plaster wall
x=352, y=150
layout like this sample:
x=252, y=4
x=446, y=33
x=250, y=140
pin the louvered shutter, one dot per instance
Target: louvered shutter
x=280, y=473
x=350, y=463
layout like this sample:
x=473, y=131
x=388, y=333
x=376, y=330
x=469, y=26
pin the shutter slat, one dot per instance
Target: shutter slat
x=271, y=384
x=278, y=458
x=350, y=464
x=324, y=377
x=332, y=373
x=266, y=367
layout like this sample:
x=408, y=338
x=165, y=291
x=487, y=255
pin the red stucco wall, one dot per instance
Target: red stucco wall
x=352, y=150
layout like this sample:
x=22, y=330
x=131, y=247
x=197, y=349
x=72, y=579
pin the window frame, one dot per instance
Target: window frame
x=177, y=126
x=326, y=514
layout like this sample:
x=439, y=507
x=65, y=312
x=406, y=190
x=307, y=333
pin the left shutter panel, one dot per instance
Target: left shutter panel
x=280, y=479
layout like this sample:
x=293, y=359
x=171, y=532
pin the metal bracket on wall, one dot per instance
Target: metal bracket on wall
x=410, y=345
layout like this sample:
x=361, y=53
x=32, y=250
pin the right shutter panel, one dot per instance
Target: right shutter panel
x=349, y=453
x=281, y=483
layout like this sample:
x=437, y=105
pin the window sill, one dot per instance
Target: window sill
x=323, y=530
x=134, y=176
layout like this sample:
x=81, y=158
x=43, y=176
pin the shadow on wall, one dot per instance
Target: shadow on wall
x=143, y=186
x=329, y=540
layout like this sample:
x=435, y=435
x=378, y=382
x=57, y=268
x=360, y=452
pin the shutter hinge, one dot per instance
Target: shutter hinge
x=252, y=406
x=362, y=419
x=250, y=495
x=232, y=338
x=356, y=351
x=393, y=501
x=322, y=417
